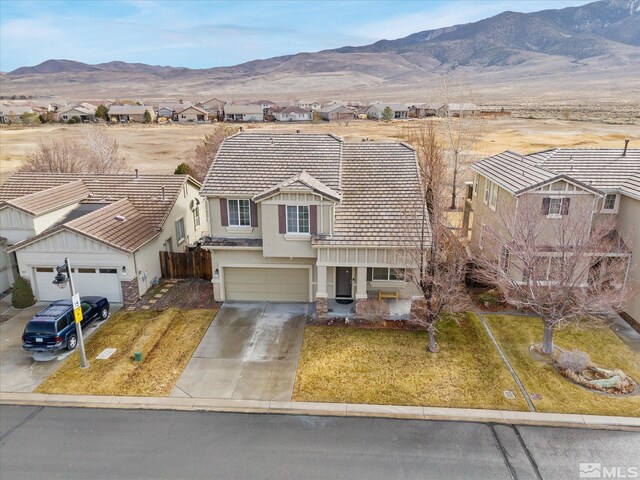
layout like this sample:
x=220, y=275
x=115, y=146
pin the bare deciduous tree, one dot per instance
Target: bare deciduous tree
x=462, y=129
x=206, y=151
x=56, y=156
x=431, y=245
x=97, y=154
x=103, y=153
x=566, y=270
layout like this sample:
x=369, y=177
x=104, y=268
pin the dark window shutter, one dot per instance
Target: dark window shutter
x=224, y=216
x=565, y=206
x=545, y=205
x=313, y=219
x=282, y=218
x=254, y=213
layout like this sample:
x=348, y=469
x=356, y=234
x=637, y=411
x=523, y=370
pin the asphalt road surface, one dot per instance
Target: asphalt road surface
x=71, y=443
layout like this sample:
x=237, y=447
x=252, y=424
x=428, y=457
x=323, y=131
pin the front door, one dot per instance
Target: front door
x=343, y=282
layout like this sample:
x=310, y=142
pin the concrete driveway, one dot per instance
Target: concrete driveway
x=249, y=352
x=19, y=372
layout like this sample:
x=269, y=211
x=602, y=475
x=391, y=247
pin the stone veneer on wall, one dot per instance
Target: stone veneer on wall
x=130, y=292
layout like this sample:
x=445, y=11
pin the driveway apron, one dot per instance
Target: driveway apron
x=250, y=352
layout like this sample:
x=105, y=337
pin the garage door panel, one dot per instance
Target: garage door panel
x=102, y=282
x=266, y=284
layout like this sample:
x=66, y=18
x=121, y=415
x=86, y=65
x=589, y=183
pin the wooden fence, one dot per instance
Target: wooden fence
x=196, y=263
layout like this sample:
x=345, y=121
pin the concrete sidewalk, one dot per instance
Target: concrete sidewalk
x=325, y=409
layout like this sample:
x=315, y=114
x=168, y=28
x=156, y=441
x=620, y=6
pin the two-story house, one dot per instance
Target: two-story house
x=309, y=217
x=564, y=182
x=111, y=226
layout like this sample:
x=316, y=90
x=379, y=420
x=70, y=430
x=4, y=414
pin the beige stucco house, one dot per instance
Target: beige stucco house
x=192, y=114
x=110, y=226
x=565, y=182
x=308, y=218
x=130, y=113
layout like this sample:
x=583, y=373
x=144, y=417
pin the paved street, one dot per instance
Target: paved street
x=84, y=444
x=250, y=352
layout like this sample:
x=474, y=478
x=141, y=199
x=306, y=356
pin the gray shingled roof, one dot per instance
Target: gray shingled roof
x=605, y=169
x=513, y=172
x=129, y=109
x=380, y=181
x=250, y=163
x=242, y=109
x=597, y=169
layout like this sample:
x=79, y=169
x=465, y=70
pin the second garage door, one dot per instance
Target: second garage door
x=266, y=284
x=102, y=282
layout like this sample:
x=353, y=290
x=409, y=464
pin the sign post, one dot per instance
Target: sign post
x=77, y=313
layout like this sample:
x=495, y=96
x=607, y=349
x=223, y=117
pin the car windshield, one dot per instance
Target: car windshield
x=46, y=328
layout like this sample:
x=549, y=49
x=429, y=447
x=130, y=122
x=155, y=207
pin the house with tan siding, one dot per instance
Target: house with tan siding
x=605, y=182
x=309, y=218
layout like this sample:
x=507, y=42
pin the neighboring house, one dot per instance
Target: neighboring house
x=292, y=114
x=85, y=111
x=12, y=113
x=192, y=114
x=423, y=110
x=169, y=110
x=130, y=113
x=266, y=105
x=376, y=110
x=309, y=217
x=243, y=113
x=566, y=181
x=336, y=112
x=110, y=226
x=309, y=105
x=457, y=109
x=214, y=107
x=5, y=267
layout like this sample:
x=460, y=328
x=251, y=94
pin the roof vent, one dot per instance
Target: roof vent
x=137, y=174
x=120, y=218
x=163, y=193
x=626, y=144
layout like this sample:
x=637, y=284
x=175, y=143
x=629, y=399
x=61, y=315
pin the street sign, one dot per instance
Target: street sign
x=77, y=310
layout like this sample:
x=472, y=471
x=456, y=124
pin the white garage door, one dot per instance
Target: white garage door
x=87, y=281
x=267, y=284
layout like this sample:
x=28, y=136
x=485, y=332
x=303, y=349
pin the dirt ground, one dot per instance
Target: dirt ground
x=159, y=148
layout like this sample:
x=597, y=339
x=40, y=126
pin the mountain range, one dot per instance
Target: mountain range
x=550, y=54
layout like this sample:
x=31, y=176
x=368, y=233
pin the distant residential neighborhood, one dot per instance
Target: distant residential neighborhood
x=216, y=110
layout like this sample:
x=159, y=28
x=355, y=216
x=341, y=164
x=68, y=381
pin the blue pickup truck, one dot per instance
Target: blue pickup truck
x=54, y=328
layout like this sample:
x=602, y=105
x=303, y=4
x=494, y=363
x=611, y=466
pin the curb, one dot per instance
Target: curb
x=325, y=409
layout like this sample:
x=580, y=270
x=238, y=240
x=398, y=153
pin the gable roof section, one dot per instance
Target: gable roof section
x=250, y=163
x=50, y=199
x=605, y=169
x=243, y=109
x=101, y=225
x=193, y=107
x=303, y=181
x=379, y=182
x=129, y=109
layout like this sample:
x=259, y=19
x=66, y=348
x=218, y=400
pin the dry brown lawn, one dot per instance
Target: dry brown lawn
x=167, y=339
x=160, y=148
x=342, y=364
x=517, y=333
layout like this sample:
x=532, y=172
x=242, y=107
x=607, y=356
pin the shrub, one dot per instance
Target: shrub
x=22, y=295
x=374, y=310
x=182, y=169
x=490, y=298
x=575, y=361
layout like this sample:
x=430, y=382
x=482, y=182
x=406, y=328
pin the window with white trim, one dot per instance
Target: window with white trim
x=180, y=230
x=487, y=185
x=493, y=199
x=610, y=203
x=196, y=216
x=381, y=274
x=297, y=219
x=555, y=206
x=475, y=185
x=505, y=258
x=239, y=212
x=483, y=231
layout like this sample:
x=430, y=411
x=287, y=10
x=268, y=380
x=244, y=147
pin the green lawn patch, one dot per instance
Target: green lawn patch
x=167, y=339
x=393, y=367
x=516, y=333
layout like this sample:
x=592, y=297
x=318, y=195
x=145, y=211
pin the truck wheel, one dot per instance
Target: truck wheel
x=72, y=342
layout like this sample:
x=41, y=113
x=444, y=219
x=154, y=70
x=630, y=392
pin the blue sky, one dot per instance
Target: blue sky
x=201, y=34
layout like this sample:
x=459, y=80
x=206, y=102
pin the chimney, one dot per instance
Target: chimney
x=137, y=174
x=162, y=193
x=298, y=130
x=626, y=144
